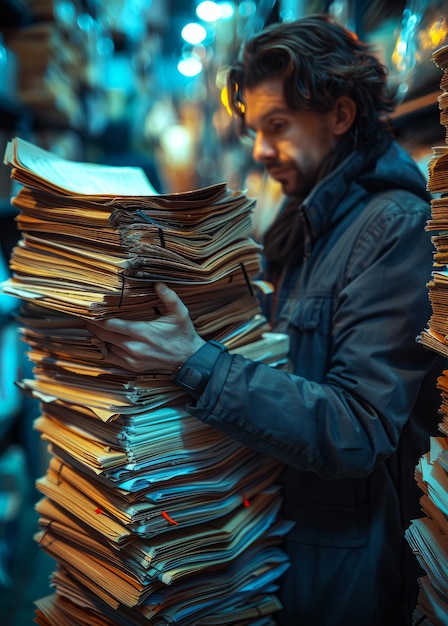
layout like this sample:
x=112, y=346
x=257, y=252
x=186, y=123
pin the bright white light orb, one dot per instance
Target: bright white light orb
x=209, y=11
x=193, y=33
x=189, y=67
x=227, y=10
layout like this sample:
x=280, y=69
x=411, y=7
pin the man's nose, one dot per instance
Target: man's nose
x=263, y=150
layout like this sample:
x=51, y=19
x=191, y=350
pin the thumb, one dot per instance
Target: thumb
x=170, y=299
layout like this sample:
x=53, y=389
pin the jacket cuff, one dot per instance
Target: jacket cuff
x=195, y=372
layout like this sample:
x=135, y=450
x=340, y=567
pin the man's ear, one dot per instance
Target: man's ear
x=344, y=115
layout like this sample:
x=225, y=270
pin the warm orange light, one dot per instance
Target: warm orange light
x=435, y=35
x=225, y=100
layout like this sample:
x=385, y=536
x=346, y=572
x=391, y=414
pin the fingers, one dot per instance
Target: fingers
x=138, y=362
x=105, y=329
x=161, y=344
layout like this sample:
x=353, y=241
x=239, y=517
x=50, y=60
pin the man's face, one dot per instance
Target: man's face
x=290, y=144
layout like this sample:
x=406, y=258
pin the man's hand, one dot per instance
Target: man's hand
x=161, y=346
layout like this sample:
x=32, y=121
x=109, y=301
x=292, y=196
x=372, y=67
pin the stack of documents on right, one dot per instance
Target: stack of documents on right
x=440, y=58
x=435, y=336
x=151, y=516
x=428, y=536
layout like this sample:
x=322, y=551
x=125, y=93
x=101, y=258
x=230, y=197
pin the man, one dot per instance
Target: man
x=350, y=259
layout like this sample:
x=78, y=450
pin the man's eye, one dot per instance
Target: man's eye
x=277, y=126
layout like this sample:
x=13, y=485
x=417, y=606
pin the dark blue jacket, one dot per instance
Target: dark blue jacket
x=352, y=418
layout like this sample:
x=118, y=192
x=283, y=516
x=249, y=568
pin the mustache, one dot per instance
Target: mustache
x=274, y=164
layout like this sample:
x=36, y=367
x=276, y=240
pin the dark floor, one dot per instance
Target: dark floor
x=24, y=567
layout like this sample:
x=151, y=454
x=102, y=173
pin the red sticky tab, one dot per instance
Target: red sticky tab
x=169, y=519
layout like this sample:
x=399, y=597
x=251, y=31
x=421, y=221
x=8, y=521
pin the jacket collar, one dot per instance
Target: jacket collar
x=366, y=170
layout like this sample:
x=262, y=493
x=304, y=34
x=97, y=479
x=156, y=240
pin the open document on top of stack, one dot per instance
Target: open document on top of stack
x=95, y=239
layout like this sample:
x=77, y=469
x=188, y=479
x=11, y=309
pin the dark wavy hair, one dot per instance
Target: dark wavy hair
x=319, y=61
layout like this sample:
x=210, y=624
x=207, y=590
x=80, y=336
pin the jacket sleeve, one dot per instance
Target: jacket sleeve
x=349, y=422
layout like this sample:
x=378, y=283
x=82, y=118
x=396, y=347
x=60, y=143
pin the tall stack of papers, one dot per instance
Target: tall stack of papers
x=435, y=336
x=428, y=536
x=152, y=516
